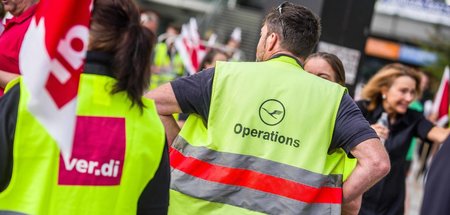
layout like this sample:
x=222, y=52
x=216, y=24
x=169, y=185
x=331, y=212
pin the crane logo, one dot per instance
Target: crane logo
x=271, y=112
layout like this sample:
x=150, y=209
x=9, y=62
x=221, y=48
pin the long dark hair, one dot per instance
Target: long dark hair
x=116, y=29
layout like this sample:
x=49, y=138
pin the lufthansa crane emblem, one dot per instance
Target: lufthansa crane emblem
x=271, y=112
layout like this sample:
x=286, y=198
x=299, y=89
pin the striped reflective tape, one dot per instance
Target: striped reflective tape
x=257, y=164
x=254, y=180
x=3, y=212
x=243, y=197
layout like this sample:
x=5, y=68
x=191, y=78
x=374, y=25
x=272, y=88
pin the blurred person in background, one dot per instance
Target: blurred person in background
x=251, y=145
x=119, y=162
x=419, y=104
x=327, y=66
x=210, y=59
x=167, y=64
x=150, y=20
x=233, y=44
x=391, y=90
x=12, y=36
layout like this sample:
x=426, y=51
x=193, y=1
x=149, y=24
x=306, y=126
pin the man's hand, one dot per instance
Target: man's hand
x=381, y=130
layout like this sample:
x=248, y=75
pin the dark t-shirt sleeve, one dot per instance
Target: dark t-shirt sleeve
x=155, y=197
x=9, y=104
x=423, y=126
x=193, y=93
x=351, y=128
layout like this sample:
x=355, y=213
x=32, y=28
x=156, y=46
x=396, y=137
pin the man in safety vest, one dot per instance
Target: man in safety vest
x=261, y=137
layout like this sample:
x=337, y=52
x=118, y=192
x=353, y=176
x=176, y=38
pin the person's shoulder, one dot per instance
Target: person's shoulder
x=413, y=115
x=412, y=112
x=362, y=104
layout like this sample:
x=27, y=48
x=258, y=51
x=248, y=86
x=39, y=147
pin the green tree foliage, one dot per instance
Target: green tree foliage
x=440, y=44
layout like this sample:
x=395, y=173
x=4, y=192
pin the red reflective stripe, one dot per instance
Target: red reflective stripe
x=254, y=180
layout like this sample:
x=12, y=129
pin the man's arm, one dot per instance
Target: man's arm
x=191, y=94
x=171, y=127
x=166, y=104
x=165, y=100
x=352, y=207
x=373, y=164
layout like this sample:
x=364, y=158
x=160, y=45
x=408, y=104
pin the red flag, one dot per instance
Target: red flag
x=51, y=60
x=441, y=100
x=189, y=46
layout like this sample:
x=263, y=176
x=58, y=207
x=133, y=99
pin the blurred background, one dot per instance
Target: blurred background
x=365, y=34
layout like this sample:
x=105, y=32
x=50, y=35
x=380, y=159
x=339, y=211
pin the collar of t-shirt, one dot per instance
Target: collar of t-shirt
x=22, y=17
x=287, y=59
x=99, y=63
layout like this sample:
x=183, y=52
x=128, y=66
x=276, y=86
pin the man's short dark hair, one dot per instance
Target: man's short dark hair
x=298, y=27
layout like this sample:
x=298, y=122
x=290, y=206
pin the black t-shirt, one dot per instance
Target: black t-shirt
x=193, y=94
x=436, y=198
x=388, y=195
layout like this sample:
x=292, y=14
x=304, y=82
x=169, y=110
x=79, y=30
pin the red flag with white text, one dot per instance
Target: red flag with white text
x=190, y=47
x=441, y=100
x=51, y=60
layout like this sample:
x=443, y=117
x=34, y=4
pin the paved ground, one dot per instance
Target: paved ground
x=414, y=189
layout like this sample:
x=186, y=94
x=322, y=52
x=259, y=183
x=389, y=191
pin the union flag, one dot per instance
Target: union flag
x=441, y=100
x=51, y=60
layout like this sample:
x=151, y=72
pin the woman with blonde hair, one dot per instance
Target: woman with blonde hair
x=389, y=93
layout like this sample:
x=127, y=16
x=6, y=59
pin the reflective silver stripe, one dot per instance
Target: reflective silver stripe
x=253, y=200
x=10, y=213
x=257, y=164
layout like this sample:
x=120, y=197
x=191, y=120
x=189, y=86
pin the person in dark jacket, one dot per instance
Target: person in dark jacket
x=390, y=91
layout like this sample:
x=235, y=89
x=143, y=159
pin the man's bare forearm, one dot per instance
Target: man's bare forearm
x=352, y=207
x=166, y=104
x=171, y=127
x=373, y=164
x=165, y=100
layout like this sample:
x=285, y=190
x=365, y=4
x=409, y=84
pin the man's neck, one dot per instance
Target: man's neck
x=283, y=52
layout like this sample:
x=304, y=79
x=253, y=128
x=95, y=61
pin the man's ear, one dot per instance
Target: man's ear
x=272, y=42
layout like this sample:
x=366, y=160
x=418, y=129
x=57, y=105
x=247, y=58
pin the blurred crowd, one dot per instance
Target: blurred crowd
x=193, y=86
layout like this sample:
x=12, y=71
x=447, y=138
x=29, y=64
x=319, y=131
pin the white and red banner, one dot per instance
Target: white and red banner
x=441, y=100
x=51, y=61
x=190, y=47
